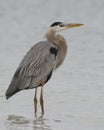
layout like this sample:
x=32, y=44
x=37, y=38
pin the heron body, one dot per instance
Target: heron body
x=35, y=67
x=39, y=63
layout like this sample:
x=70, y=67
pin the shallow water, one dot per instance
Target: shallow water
x=74, y=97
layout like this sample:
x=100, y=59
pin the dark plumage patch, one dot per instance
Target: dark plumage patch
x=55, y=24
x=53, y=51
x=49, y=76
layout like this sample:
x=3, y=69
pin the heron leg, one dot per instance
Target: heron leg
x=41, y=100
x=35, y=102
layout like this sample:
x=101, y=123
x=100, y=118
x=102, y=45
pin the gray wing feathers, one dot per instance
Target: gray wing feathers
x=35, y=66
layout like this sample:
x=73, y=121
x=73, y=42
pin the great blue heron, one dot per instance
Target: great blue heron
x=39, y=63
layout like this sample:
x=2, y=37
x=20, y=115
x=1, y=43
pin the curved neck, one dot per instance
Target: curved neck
x=51, y=35
x=57, y=40
x=60, y=42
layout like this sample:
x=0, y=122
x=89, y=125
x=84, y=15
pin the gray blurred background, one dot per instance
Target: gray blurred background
x=74, y=97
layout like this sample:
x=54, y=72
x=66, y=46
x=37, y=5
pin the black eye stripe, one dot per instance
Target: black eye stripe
x=56, y=23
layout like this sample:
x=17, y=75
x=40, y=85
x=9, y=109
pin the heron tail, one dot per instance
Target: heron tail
x=10, y=92
x=12, y=89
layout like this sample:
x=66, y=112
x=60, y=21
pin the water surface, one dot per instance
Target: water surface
x=74, y=97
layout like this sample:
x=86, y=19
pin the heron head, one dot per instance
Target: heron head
x=59, y=26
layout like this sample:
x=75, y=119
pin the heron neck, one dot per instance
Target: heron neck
x=54, y=38
x=60, y=42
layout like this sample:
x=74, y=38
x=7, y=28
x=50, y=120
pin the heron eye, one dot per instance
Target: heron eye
x=61, y=25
